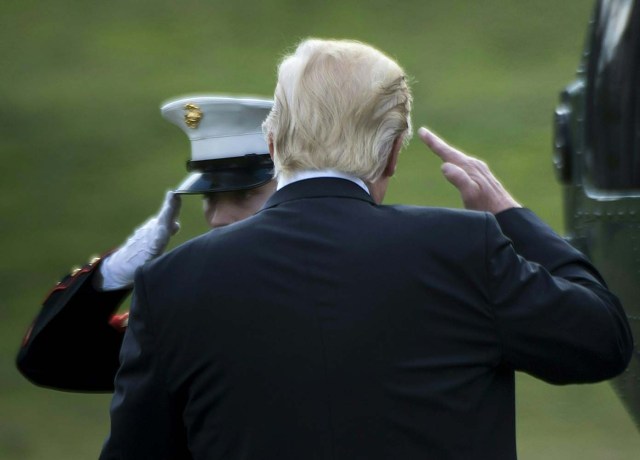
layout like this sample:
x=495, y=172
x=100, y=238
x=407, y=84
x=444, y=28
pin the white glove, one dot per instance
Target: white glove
x=148, y=242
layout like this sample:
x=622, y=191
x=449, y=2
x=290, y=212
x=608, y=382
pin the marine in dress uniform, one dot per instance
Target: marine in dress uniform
x=74, y=341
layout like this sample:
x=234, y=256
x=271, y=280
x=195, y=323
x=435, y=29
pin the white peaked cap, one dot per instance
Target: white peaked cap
x=220, y=126
x=228, y=149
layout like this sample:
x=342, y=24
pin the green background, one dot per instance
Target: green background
x=86, y=156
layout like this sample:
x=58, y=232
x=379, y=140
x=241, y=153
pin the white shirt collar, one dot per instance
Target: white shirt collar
x=312, y=174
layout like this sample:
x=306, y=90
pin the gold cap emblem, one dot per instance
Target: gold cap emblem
x=193, y=116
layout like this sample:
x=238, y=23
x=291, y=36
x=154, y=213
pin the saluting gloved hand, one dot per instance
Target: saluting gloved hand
x=147, y=242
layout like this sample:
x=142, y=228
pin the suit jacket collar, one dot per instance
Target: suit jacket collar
x=322, y=187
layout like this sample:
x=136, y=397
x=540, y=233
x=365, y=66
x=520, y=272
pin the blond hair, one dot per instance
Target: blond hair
x=339, y=104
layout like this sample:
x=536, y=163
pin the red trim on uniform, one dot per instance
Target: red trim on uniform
x=120, y=322
x=27, y=336
x=60, y=286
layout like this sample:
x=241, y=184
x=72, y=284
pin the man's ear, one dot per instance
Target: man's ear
x=392, y=161
x=271, y=149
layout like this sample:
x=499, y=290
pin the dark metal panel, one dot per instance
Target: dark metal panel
x=597, y=159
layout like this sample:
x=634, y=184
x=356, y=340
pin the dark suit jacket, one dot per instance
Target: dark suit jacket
x=71, y=345
x=329, y=327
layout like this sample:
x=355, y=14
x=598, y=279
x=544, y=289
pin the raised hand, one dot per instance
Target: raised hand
x=147, y=242
x=478, y=187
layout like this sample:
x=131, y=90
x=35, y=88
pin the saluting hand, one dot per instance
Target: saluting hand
x=478, y=187
x=147, y=242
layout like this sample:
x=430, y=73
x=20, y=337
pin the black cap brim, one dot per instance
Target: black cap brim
x=227, y=180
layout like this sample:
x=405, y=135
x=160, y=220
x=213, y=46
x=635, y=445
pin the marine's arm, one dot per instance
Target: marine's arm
x=74, y=341
x=71, y=344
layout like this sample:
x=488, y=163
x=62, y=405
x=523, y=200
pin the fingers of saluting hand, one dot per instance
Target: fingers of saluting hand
x=478, y=187
x=461, y=170
x=170, y=211
x=460, y=179
x=441, y=148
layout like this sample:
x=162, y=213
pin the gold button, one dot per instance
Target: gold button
x=75, y=270
x=94, y=259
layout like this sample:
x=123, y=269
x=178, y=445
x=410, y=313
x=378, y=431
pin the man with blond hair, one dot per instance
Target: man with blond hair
x=329, y=326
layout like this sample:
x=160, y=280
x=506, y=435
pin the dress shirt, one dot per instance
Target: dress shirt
x=312, y=174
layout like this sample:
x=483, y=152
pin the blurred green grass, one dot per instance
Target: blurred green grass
x=86, y=156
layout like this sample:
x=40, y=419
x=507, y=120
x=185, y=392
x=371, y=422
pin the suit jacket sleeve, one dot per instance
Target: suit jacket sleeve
x=145, y=420
x=555, y=316
x=70, y=344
